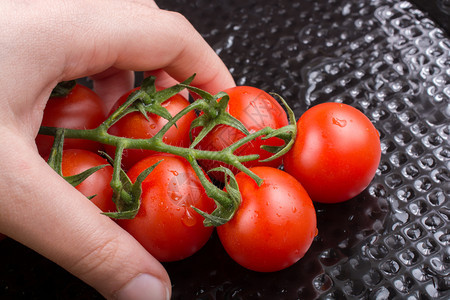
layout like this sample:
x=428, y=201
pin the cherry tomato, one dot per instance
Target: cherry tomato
x=256, y=110
x=336, y=152
x=82, y=108
x=75, y=161
x=135, y=125
x=274, y=225
x=166, y=225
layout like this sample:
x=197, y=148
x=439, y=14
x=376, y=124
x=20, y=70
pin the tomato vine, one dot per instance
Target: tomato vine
x=211, y=111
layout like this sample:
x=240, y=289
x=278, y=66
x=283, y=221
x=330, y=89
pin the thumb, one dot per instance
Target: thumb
x=47, y=214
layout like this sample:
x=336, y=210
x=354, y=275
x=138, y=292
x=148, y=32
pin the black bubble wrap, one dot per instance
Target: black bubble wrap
x=391, y=60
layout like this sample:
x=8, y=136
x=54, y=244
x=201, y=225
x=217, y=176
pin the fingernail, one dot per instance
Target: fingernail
x=144, y=287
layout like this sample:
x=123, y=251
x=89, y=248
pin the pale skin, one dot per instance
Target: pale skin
x=43, y=43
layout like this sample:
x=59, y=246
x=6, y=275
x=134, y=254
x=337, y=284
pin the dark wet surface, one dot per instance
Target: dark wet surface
x=389, y=59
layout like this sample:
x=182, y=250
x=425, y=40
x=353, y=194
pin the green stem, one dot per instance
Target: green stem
x=155, y=143
x=211, y=190
x=197, y=105
x=125, y=195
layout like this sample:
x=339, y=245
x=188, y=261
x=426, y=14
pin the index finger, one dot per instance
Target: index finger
x=144, y=39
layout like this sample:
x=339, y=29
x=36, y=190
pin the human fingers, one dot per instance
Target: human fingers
x=98, y=36
x=141, y=38
x=112, y=84
x=42, y=211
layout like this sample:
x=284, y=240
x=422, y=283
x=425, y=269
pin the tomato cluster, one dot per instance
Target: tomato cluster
x=334, y=157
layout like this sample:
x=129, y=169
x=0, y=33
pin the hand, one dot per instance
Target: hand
x=43, y=43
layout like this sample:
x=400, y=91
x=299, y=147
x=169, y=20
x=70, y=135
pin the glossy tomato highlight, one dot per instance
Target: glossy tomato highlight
x=76, y=161
x=256, y=109
x=275, y=224
x=166, y=225
x=81, y=108
x=336, y=152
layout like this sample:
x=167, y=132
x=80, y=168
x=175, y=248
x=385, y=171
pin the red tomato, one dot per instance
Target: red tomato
x=80, y=109
x=166, y=225
x=274, y=225
x=75, y=161
x=336, y=152
x=135, y=125
x=256, y=110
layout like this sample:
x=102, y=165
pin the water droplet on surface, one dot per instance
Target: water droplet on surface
x=188, y=219
x=339, y=122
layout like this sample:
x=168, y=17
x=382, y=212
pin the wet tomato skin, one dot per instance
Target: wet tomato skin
x=275, y=224
x=75, y=161
x=166, y=225
x=336, y=152
x=82, y=108
x=256, y=110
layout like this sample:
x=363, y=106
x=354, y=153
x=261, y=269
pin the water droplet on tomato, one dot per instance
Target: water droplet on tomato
x=152, y=126
x=294, y=209
x=176, y=197
x=339, y=122
x=188, y=219
x=175, y=173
